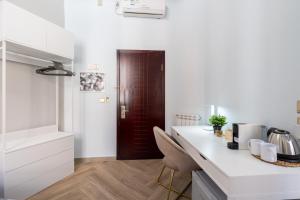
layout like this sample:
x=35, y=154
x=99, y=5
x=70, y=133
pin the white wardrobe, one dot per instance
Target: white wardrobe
x=36, y=140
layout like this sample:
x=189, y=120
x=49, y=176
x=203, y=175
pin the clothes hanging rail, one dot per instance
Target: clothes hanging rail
x=53, y=70
x=20, y=58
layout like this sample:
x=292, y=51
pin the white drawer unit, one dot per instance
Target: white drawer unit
x=36, y=169
x=37, y=162
x=37, y=184
x=21, y=27
x=33, y=153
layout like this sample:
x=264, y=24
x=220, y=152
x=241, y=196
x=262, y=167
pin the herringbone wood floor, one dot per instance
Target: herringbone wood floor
x=113, y=180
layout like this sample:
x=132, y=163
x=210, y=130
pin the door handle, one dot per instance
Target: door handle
x=123, y=112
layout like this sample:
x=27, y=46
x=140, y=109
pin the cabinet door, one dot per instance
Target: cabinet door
x=59, y=41
x=23, y=27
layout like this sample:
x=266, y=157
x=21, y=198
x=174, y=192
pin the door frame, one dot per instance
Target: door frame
x=119, y=51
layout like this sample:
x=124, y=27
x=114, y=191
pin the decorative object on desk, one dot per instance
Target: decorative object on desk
x=92, y=82
x=228, y=135
x=219, y=133
x=217, y=121
x=280, y=162
x=288, y=147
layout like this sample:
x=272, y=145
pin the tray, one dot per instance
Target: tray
x=280, y=163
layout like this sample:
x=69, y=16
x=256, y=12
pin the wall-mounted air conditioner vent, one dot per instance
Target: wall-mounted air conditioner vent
x=142, y=8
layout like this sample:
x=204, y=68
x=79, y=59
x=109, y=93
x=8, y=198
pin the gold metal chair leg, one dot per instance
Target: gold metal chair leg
x=170, y=189
x=170, y=183
x=161, y=173
x=183, y=191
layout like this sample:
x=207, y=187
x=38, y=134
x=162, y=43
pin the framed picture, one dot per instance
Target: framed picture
x=91, y=81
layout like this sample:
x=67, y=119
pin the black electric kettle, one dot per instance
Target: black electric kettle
x=288, y=148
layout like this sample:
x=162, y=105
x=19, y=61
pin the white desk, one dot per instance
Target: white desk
x=236, y=172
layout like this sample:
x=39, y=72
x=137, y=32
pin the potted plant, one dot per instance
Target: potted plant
x=217, y=121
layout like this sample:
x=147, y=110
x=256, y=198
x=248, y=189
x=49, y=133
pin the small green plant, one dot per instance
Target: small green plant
x=218, y=120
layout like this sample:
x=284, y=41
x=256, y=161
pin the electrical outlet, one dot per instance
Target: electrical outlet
x=102, y=100
x=298, y=106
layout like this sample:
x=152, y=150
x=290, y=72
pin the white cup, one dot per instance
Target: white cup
x=254, y=146
x=268, y=152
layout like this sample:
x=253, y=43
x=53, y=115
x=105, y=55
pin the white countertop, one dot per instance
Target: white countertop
x=233, y=163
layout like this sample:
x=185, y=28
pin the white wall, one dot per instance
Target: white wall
x=100, y=32
x=51, y=10
x=252, y=65
x=241, y=56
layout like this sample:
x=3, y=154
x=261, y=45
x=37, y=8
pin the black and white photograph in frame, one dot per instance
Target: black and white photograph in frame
x=91, y=82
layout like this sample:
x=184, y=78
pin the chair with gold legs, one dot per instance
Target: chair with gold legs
x=176, y=159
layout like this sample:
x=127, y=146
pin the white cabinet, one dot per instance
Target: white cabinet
x=59, y=41
x=38, y=162
x=31, y=187
x=21, y=27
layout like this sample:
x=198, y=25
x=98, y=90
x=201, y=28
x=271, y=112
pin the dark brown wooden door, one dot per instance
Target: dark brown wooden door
x=141, y=103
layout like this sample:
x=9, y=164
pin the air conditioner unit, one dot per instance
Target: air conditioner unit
x=142, y=8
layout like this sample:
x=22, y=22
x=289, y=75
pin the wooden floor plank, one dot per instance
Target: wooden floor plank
x=113, y=180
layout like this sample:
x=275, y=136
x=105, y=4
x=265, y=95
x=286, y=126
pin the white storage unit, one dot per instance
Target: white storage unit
x=35, y=159
x=22, y=28
x=59, y=41
x=32, y=159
